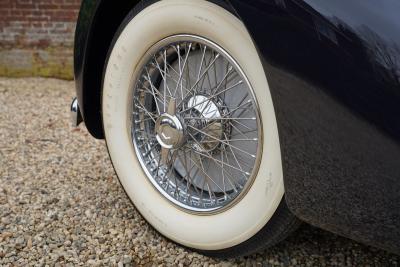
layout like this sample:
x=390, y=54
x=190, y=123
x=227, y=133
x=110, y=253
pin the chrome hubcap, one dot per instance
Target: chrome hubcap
x=196, y=125
x=170, y=133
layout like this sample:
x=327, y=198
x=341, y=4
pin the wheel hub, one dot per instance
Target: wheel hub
x=207, y=114
x=170, y=132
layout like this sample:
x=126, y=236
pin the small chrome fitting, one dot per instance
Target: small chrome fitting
x=76, y=117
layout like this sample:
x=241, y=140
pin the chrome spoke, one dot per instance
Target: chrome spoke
x=152, y=93
x=220, y=162
x=222, y=81
x=240, y=107
x=202, y=75
x=234, y=140
x=171, y=78
x=240, y=132
x=145, y=110
x=237, y=162
x=201, y=167
x=221, y=118
x=184, y=160
x=207, y=155
x=181, y=70
x=164, y=75
x=223, y=142
x=215, y=95
x=241, y=124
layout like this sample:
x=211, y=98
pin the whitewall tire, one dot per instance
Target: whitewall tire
x=251, y=213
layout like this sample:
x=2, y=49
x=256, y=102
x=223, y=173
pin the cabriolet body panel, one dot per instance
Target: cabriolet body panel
x=334, y=72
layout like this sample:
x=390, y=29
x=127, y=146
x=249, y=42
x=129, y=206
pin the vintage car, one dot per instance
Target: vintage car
x=229, y=122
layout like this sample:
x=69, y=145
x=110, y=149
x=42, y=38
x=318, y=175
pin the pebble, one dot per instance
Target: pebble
x=62, y=205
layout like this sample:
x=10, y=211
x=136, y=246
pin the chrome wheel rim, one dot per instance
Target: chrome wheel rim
x=196, y=126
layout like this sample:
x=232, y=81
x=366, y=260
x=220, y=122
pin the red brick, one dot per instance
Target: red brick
x=41, y=23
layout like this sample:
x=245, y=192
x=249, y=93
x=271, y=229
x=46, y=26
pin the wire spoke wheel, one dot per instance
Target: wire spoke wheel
x=190, y=127
x=196, y=125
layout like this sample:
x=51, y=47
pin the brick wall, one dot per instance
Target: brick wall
x=36, y=37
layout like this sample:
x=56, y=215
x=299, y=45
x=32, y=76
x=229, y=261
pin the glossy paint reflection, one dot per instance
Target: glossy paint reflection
x=334, y=73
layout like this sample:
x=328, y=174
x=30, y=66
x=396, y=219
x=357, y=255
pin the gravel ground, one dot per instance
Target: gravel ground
x=61, y=203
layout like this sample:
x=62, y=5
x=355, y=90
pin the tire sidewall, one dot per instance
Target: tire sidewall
x=154, y=23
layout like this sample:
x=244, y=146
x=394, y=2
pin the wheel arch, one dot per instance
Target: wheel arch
x=97, y=23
